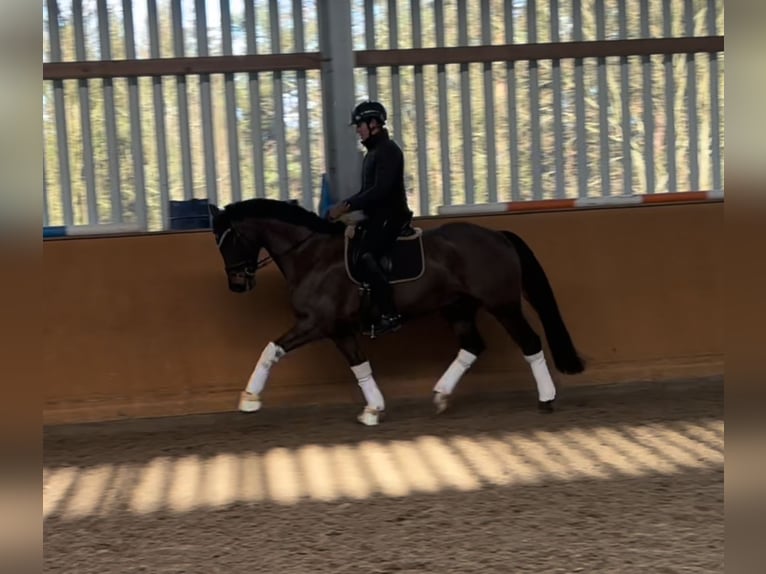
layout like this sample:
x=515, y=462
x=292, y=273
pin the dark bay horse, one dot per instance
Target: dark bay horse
x=466, y=267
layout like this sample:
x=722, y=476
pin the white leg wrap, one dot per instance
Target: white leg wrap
x=546, y=390
x=269, y=357
x=454, y=372
x=372, y=394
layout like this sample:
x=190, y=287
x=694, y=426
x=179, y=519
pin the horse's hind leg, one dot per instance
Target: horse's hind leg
x=462, y=318
x=349, y=347
x=512, y=318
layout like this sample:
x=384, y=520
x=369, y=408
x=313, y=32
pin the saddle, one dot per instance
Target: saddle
x=405, y=262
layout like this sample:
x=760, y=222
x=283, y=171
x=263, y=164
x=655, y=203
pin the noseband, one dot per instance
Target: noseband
x=244, y=266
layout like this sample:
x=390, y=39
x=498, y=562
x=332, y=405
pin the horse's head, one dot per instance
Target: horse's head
x=240, y=258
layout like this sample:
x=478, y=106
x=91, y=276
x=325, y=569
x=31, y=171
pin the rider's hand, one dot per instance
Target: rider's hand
x=338, y=209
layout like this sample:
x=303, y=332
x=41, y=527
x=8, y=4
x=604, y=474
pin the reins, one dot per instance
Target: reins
x=268, y=259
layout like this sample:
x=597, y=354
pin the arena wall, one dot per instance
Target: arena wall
x=144, y=325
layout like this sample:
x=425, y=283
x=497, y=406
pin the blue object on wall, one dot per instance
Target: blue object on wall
x=189, y=214
x=325, y=199
x=54, y=231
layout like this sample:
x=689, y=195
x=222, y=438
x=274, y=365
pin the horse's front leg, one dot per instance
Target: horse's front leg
x=349, y=347
x=299, y=335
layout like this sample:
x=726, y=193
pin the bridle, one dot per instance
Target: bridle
x=246, y=265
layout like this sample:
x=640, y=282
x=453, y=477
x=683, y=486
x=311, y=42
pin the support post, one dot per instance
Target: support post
x=342, y=155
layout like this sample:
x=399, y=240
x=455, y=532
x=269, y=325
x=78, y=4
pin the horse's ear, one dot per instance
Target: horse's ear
x=213, y=210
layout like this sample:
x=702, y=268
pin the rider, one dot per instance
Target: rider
x=383, y=200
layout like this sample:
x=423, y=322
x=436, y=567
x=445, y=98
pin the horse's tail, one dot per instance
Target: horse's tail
x=539, y=293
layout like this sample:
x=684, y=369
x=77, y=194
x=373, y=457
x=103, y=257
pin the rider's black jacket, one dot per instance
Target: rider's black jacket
x=382, y=194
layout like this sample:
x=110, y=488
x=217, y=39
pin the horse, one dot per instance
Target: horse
x=454, y=269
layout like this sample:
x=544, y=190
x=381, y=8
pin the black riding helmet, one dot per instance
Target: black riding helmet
x=366, y=111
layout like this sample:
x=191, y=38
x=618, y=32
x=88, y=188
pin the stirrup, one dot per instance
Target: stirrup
x=378, y=327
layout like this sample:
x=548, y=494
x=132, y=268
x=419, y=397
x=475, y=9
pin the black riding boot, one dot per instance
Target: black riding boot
x=389, y=319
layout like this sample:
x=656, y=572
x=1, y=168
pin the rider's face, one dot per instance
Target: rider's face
x=362, y=130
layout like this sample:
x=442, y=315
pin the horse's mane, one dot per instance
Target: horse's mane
x=284, y=211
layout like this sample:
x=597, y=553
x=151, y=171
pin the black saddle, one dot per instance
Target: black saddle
x=405, y=261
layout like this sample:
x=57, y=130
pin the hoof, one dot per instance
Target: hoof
x=545, y=406
x=441, y=400
x=370, y=416
x=249, y=403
